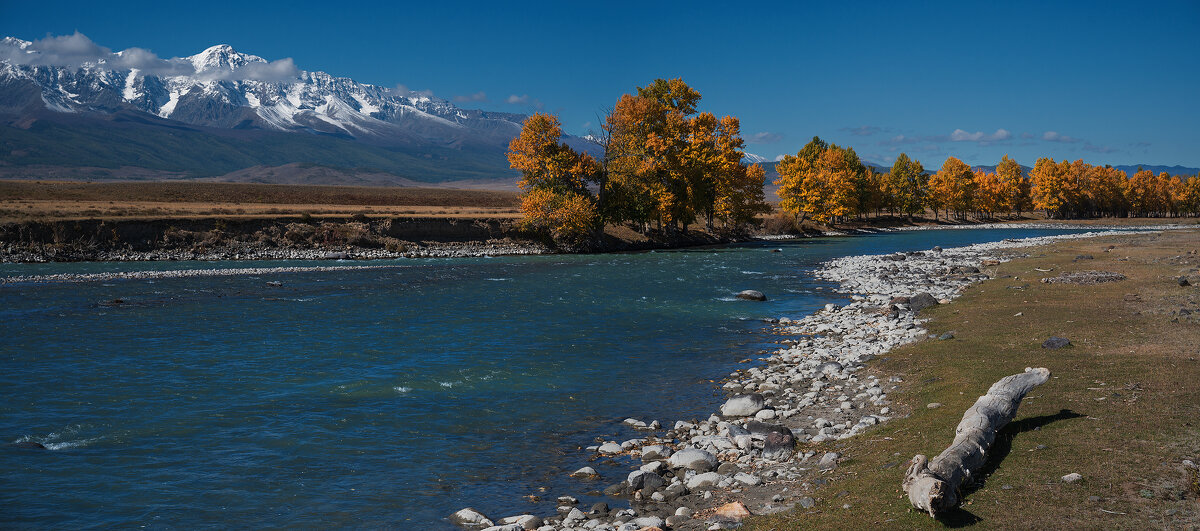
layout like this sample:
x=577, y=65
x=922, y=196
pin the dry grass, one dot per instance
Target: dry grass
x=52, y=200
x=1123, y=407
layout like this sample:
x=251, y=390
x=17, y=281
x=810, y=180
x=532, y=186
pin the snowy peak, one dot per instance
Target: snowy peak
x=223, y=88
x=222, y=57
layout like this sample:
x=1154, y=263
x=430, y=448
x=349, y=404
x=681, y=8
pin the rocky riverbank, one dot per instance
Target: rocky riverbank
x=297, y=238
x=762, y=452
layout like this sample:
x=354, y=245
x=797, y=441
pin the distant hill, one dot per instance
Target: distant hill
x=1171, y=170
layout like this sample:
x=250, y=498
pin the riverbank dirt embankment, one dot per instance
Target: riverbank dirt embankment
x=819, y=436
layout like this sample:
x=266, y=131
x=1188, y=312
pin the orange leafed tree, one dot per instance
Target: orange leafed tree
x=990, y=195
x=1053, y=190
x=954, y=187
x=554, y=181
x=821, y=181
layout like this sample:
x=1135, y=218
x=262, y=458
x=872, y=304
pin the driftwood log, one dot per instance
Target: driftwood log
x=933, y=486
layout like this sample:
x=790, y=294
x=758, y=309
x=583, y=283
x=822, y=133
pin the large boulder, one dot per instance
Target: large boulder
x=693, y=459
x=655, y=451
x=751, y=295
x=743, y=405
x=526, y=521
x=470, y=519
x=640, y=479
x=921, y=301
x=707, y=479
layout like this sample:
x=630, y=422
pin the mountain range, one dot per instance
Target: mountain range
x=222, y=114
x=222, y=111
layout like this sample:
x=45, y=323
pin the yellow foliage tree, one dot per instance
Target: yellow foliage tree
x=554, y=182
x=1054, y=191
x=1190, y=200
x=666, y=164
x=1142, y=193
x=908, y=185
x=1014, y=185
x=990, y=195
x=953, y=186
x=821, y=183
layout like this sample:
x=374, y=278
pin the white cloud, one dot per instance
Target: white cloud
x=764, y=137
x=75, y=50
x=403, y=90
x=1053, y=136
x=962, y=136
x=515, y=99
x=281, y=70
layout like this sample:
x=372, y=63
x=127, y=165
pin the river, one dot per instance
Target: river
x=377, y=397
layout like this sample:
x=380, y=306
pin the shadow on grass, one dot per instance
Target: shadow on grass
x=1001, y=447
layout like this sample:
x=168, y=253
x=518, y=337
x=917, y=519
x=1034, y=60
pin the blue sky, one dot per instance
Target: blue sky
x=1108, y=82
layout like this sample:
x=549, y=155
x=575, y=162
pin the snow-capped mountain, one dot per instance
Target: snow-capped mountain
x=751, y=158
x=222, y=88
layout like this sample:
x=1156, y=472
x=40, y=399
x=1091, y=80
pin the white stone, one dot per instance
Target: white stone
x=706, y=479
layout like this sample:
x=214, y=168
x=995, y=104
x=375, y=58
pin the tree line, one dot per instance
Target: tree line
x=828, y=183
x=664, y=165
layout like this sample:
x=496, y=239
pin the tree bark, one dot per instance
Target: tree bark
x=933, y=486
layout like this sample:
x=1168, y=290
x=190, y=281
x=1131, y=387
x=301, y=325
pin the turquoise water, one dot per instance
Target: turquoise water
x=373, y=398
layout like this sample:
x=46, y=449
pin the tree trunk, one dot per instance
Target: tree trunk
x=933, y=486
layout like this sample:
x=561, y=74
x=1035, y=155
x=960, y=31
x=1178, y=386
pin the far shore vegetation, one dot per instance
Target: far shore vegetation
x=664, y=166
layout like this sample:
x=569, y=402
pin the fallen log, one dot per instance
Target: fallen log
x=933, y=486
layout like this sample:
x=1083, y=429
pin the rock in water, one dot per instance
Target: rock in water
x=470, y=518
x=751, y=295
x=921, y=301
x=778, y=446
x=693, y=459
x=743, y=405
x=586, y=472
x=1056, y=342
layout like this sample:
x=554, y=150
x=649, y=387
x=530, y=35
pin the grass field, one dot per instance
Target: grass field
x=1122, y=407
x=53, y=200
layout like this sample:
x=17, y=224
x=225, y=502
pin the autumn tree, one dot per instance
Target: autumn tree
x=990, y=196
x=1014, y=185
x=1108, y=190
x=1142, y=193
x=908, y=184
x=1190, y=196
x=663, y=163
x=668, y=165
x=954, y=187
x=554, y=182
x=1053, y=190
x=821, y=181
x=872, y=192
x=793, y=188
